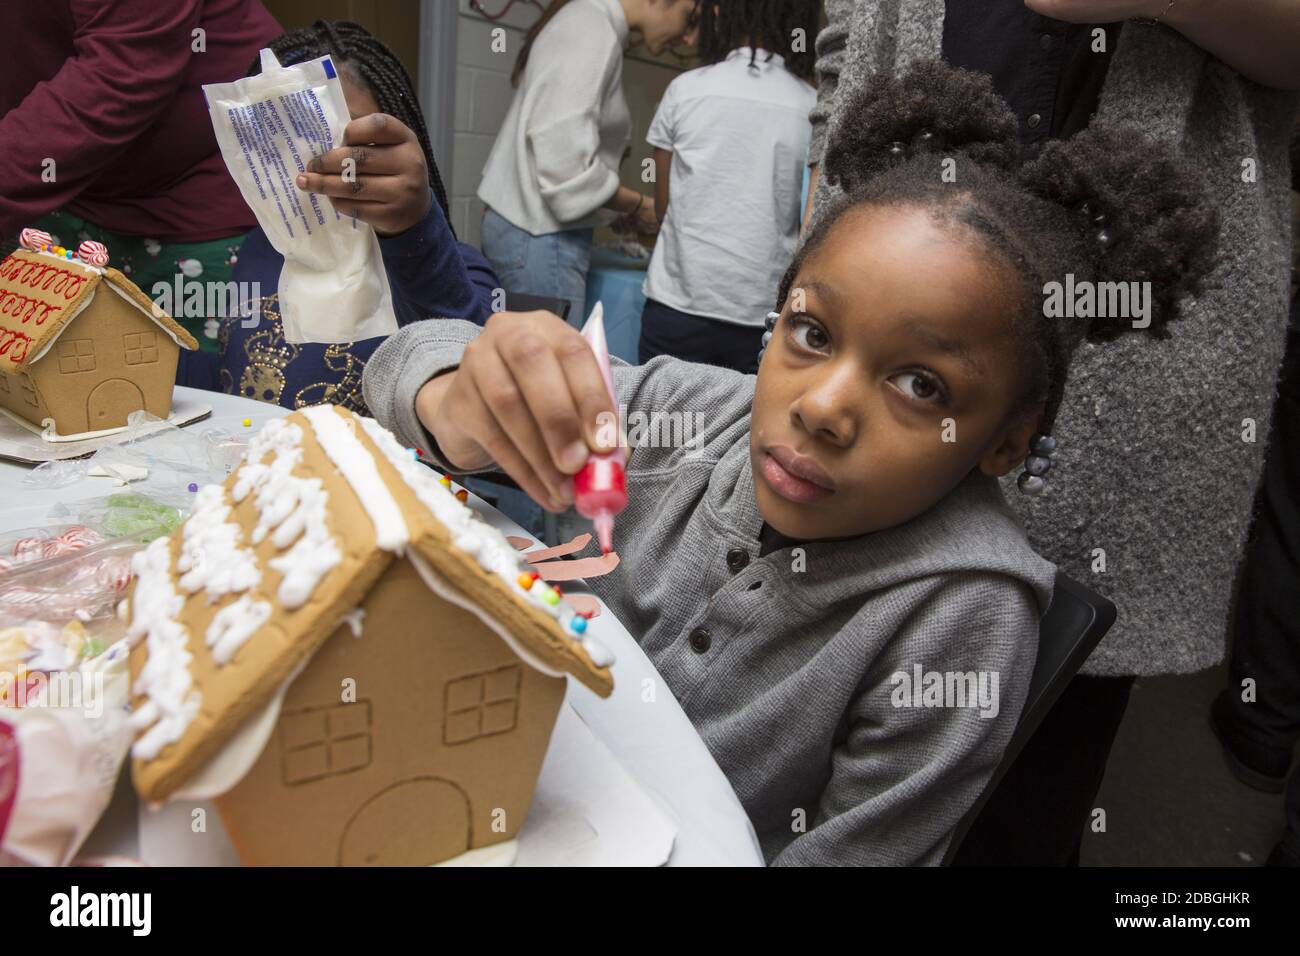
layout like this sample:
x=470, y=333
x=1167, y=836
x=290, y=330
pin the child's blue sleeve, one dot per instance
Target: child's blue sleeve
x=484, y=279
x=428, y=276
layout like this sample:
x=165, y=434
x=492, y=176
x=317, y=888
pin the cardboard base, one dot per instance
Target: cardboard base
x=20, y=441
x=500, y=854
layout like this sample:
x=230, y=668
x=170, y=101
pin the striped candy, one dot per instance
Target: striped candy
x=34, y=239
x=93, y=253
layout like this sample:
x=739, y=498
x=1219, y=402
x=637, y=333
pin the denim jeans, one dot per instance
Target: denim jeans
x=550, y=265
x=553, y=265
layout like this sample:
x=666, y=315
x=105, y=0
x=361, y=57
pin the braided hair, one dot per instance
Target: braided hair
x=376, y=66
x=1108, y=205
x=765, y=24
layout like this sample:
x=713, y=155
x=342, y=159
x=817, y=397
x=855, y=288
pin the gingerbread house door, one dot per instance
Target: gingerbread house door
x=110, y=402
x=412, y=823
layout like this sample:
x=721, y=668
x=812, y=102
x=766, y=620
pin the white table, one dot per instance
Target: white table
x=641, y=723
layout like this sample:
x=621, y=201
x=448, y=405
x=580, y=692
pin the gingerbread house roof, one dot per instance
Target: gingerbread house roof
x=41, y=294
x=270, y=563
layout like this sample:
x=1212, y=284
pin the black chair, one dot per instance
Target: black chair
x=523, y=302
x=1075, y=623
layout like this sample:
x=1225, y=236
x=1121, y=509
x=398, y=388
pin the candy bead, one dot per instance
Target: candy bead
x=578, y=624
x=445, y=481
x=525, y=581
x=193, y=487
x=248, y=423
x=462, y=496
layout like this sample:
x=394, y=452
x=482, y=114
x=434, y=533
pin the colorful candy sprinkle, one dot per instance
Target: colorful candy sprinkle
x=462, y=496
x=248, y=423
x=550, y=597
x=445, y=481
x=578, y=624
x=525, y=580
x=193, y=487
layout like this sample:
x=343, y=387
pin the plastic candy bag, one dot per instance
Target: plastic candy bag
x=332, y=287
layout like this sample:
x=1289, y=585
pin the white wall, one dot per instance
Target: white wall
x=483, y=94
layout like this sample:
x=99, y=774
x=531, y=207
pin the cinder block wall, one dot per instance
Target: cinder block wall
x=483, y=94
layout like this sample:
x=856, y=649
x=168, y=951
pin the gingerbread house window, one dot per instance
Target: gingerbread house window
x=482, y=704
x=141, y=347
x=320, y=742
x=77, y=355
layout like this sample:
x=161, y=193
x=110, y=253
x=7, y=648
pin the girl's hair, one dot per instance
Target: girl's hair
x=376, y=66
x=1109, y=205
x=766, y=24
x=521, y=60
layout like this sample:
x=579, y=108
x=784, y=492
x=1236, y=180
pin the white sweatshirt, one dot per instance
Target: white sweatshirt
x=555, y=160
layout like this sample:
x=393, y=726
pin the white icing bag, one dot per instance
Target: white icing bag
x=333, y=287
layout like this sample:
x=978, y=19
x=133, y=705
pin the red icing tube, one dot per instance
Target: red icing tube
x=600, y=488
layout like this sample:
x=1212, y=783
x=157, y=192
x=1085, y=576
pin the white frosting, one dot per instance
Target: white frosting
x=210, y=556
x=354, y=619
x=172, y=701
x=234, y=624
x=290, y=508
x=600, y=655
x=355, y=463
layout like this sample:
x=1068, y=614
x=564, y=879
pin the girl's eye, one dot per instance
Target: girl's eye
x=808, y=334
x=920, y=387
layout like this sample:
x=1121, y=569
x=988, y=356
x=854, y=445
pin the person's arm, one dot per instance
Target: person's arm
x=427, y=273
x=1260, y=39
x=128, y=62
x=905, y=775
x=487, y=286
x=663, y=169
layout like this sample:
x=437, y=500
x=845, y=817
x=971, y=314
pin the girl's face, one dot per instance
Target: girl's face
x=891, y=374
x=666, y=23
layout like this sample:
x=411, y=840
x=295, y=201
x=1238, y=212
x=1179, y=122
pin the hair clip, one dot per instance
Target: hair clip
x=1033, y=481
x=769, y=324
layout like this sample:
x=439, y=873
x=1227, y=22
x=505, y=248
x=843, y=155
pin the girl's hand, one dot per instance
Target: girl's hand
x=529, y=396
x=378, y=176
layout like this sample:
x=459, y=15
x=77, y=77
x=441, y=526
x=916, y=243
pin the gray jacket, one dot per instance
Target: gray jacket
x=786, y=664
x=1161, y=443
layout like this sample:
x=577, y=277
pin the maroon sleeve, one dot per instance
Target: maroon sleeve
x=130, y=58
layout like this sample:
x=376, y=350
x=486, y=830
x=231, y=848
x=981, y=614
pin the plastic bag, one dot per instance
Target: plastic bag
x=332, y=286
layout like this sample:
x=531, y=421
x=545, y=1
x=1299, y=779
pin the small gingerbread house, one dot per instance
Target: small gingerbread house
x=81, y=347
x=356, y=667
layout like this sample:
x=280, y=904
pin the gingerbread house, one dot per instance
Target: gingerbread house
x=81, y=347
x=354, y=666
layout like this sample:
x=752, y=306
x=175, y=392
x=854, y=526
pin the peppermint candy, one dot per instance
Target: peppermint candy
x=93, y=253
x=34, y=240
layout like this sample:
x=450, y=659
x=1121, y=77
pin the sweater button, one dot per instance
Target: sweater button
x=737, y=559
x=701, y=640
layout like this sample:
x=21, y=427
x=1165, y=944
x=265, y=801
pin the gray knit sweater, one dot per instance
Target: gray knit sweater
x=1152, y=500
x=786, y=666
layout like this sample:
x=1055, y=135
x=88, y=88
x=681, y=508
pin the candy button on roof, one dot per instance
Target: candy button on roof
x=737, y=559
x=701, y=640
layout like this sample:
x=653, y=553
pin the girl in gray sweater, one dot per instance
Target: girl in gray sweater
x=824, y=571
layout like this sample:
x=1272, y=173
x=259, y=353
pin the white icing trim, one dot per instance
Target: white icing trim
x=210, y=557
x=172, y=702
x=451, y=596
x=339, y=441
x=355, y=619
x=234, y=624
x=600, y=655
x=291, y=509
